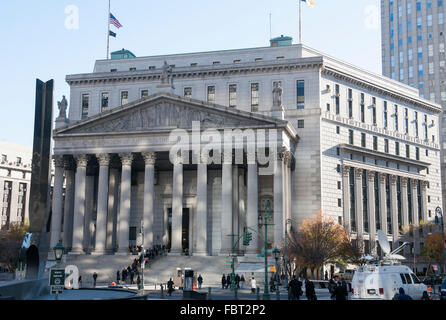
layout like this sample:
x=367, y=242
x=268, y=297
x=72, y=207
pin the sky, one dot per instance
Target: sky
x=48, y=39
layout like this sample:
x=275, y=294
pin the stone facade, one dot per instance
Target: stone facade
x=234, y=90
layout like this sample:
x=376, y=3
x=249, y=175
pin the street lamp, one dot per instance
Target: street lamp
x=58, y=252
x=268, y=214
x=438, y=212
x=277, y=256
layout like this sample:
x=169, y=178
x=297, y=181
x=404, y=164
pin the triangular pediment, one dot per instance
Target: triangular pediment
x=167, y=111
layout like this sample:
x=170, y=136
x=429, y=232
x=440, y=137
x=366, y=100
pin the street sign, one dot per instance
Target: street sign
x=57, y=280
x=434, y=267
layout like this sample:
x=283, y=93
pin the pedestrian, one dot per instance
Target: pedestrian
x=242, y=282
x=253, y=285
x=344, y=288
x=310, y=292
x=272, y=286
x=223, y=282
x=170, y=287
x=331, y=286
x=326, y=275
x=402, y=295
x=295, y=286
x=95, y=276
x=132, y=275
x=80, y=281
x=118, y=277
x=138, y=281
x=237, y=281
x=200, y=281
x=228, y=281
x=339, y=292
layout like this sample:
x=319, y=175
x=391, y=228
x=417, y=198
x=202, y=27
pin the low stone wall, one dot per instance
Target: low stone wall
x=24, y=289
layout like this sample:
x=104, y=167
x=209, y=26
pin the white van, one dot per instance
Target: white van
x=382, y=282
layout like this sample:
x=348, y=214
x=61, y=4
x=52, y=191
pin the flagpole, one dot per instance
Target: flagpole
x=108, y=31
x=300, y=21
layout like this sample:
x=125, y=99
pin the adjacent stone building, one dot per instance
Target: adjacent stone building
x=359, y=147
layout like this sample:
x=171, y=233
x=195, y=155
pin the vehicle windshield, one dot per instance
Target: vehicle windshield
x=415, y=278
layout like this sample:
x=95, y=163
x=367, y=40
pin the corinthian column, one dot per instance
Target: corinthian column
x=79, y=204
x=226, y=204
x=394, y=209
x=68, y=207
x=101, y=219
x=415, y=218
x=278, y=200
x=56, y=217
x=404, y=204
x=383, y=202
x=148, y=214
x=252, y=220
x=358, y=202
x=371, y=206
x=124, y=212
x=177, y=209
x=202, y=197
x=346, y=196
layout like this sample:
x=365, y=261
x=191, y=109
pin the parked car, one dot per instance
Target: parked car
x=442, y=292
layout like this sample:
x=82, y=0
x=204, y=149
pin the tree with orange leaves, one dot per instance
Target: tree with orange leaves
x=433, y=249
x=317, y=241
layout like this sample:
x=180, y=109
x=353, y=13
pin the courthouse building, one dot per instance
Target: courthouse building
x=359, y=147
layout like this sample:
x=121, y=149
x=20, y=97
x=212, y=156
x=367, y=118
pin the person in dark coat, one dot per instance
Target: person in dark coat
x=310, y=292
x=200, y=281
x=118, y=277
x=223, y=282
x=124, y=275
x=80, y=281
x=402, y=295
x=228, y=281
x=331, y=286
x=170, y=287
x=340, y=292
x=295, y=287
x=95, y=276
x=237, y=281
x=132, y=276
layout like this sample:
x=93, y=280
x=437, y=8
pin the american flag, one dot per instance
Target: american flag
x=115, y=21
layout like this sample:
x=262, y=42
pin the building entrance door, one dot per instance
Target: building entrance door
x=185, y=231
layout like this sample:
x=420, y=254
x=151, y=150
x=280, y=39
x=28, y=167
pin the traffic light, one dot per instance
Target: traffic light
x=247, y=237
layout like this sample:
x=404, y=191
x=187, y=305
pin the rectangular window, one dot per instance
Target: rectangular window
x=407, y=151
x=373, y=110
x=415, y=123
x=350, y=103
x=124, y=97
x=211, y=94
x=328, y=107
x=362, y=108
x=363, y=140
x=417, y=153
x=397, y=148
x=104, y=101
x=85, y=105
x=386, y=145
x=188, y=92
x=254, y=96
x=300, y=124
x=375, y=143
x=300, y=94
x=396, y=118
x=337, y=98
x=233, y=95
x=338, y=129
x=144, y=93
x=385, y=114
x=350, y=137
x=406, y=121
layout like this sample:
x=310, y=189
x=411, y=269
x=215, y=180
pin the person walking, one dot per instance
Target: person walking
x=237, y=281
x=138, y=281
x=402, y=295
x=344, y=288
x=253, y=285
x=339, y=292
x=331, y=287
x=228, y=281
x=272, y=286
x=95, y=277
x=118, y=277
x=295, y=289
x=200, y=281
x=310, y=292
x=223, y=282
x=170, y=287
x=132, y=276
x=242, y=282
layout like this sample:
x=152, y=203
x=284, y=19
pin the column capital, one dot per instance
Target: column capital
x=126, y=159
x=103, y=159
x=58, y=161
x=345, y=170
x=371, y=175
x=81, y=160
x=403, y=181
x=424, y=184
x=358, y=173
x=393, y=179
x=382, y=177
x=149, y=158
x=414, y=183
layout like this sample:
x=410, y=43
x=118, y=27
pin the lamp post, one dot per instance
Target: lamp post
x=268, y=214
x=438, y=212
x=58, y=253
x=285, y=257
x=276, y=256
x=143, y=262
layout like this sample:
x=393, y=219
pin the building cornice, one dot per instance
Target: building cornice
x=284, y=65
x=381, y=90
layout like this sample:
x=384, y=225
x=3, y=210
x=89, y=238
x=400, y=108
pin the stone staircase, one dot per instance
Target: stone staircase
x=158, y=271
